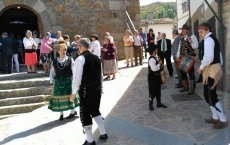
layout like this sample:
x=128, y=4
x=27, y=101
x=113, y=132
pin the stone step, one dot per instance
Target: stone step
x=16, y=109
x=24, y=100
x=8, y=116
x=25, y=83
x=32, y=91
x=22, y=75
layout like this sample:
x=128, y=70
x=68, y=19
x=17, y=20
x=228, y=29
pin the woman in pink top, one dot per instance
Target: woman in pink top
x=45, y=51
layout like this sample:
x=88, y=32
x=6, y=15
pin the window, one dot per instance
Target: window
x=185, y=6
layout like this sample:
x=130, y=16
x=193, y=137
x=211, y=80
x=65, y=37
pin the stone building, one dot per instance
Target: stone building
x=216, y=12
x=71, y=17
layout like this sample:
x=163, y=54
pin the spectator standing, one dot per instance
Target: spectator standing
x=15, y=51
x=137, y=47
x=20, y=49
x=109, y=57
x=30, y=52
x=151, y=38
x=128, y=42
x=143, y=36
x=95, y=45
x=7, y=53
x=46, y=50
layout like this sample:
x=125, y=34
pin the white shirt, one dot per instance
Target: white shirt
x=111, y=40
x=221, y=59
x=137, y=40
x=96, y=48
x=77, y=73
x=153, y=66
x=60, y=60
x=194, y=44
x=29, y=42
x=208, y=57
x=163, y=40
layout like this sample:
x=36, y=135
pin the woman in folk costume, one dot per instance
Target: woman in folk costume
x=61, y=73
x=212, y=72
x=154, y=79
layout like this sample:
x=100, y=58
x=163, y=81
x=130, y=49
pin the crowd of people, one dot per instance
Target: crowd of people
x=76, y=72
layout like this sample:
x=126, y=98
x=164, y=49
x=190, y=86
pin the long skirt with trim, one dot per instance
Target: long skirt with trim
x=59, y=100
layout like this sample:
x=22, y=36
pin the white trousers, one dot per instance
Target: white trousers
x=15, y=59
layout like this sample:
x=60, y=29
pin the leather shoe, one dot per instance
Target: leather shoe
x=151, y=108
x=211, y=121
x=179, y=86
x=161, y=105
x=87, y=143
x=61, y=117
x=71, y=115
x=103, y=137
x=220, y=125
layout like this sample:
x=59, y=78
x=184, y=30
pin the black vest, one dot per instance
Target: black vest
x=150, y=70
x=216, y=50
x=201, y=49
x=91, y=70
x=66, y=71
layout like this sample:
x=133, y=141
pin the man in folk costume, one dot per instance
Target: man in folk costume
x=87, y=81
x=212, y=72
x=187, y=46
x=154, y=78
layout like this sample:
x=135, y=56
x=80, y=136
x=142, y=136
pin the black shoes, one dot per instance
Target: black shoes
x=71, y=115
x=161, y=105
x=61, y=117
x=151, y=108
x=87, y=143
x=103, y=137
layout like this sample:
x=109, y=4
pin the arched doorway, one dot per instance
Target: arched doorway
x=17, y=19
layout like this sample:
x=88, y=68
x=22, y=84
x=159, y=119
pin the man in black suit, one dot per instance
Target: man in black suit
x=164, y=52
x=7, y=53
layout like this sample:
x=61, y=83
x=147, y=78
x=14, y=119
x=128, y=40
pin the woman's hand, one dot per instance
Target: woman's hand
x=72, y=97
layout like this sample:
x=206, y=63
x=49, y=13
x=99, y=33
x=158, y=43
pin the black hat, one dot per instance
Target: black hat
x=185, y=27
x=152, y=48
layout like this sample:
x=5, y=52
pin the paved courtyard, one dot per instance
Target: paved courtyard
x=127, y=118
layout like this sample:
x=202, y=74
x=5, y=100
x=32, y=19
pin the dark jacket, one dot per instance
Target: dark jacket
x=111, y=53
x=149, y=38
x=169, y=46
x=15, y=45
x=7, y=44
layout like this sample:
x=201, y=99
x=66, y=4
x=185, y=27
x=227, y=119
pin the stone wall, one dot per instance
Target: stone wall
x=226, y=20
x=83, y=17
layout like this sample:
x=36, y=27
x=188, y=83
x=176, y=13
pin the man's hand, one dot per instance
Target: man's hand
x=72, y=97
x=160, y=62
x=199, y=71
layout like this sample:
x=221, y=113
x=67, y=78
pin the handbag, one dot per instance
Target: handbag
x=163, y=77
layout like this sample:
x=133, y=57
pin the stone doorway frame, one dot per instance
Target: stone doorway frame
x=40, y=28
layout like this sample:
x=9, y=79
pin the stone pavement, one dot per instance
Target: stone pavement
x=127, y=118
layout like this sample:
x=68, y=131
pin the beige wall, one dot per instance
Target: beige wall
x=181, y=17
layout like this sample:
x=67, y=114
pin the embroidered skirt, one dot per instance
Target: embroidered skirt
x=110, y=66
x=59, y=100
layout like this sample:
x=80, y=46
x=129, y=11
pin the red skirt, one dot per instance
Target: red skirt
x=31, y=58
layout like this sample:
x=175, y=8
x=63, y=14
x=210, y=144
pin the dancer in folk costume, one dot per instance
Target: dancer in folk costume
x=154, y=78
x=212, y=72
x=88, y=82
x=61, y=81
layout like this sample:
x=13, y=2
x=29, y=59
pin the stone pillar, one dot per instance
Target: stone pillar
x=150, y=17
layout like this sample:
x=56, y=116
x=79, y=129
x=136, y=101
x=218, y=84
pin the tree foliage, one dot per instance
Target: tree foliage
x=160, y=10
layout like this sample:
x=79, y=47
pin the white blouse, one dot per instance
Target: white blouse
x=29, y=42
x=61, y=61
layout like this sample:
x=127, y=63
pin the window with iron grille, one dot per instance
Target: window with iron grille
x=185, y=6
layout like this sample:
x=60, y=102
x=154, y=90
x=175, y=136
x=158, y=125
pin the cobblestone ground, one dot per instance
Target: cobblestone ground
x=127, y=118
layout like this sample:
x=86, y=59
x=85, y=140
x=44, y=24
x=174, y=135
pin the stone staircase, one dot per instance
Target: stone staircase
x=22, y=93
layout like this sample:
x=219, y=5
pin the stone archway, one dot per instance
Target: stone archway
x=46, y=17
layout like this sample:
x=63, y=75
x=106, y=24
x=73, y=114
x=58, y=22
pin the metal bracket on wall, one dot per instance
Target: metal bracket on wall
x=215, y=14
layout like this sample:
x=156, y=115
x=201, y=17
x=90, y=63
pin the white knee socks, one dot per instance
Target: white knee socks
x=221, y=112
x=214, y=113
x=100, y=124
x=89, y=133
x=72, y=111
